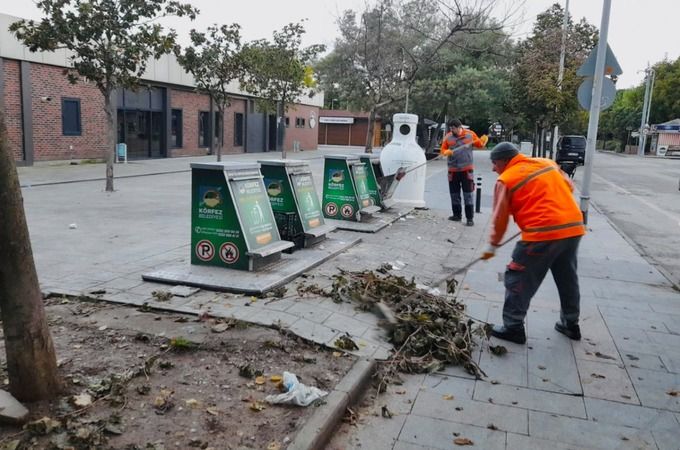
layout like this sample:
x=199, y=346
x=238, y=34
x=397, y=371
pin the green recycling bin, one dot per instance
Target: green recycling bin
x=346, y=194
x=294, y=201
x=232, y=223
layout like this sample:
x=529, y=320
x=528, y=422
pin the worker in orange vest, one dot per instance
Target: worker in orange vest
x=457, y=146
x=539, y=197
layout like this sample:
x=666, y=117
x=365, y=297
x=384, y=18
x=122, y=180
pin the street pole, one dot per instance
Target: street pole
x=594, y=119
x=643, y=120
x=560, y=74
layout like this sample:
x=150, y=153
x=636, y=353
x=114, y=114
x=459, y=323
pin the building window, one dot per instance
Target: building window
x=299, y=122
x=203, y=129
x=176, y=129
x=70, y=117
x=238, y=130
x=218, y=127
x=287, y=121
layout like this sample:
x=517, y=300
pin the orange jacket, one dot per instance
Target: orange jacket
x=459, y=149
x=539, y=197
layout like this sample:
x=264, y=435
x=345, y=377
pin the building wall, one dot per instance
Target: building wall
x=11, y=105
x=48, y=139
x=238, y=105
x=191, y=104
x=307, y=136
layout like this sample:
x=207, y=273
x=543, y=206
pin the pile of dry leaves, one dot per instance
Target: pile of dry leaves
x=427, y=330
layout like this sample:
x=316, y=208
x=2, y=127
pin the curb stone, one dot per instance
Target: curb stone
x=318, y=430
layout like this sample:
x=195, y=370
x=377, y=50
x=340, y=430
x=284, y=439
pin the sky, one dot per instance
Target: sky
x=640, y=31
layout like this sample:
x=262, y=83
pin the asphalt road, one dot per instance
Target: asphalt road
x=640, y=196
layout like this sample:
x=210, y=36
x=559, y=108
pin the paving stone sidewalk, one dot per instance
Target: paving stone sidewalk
x=611, y=390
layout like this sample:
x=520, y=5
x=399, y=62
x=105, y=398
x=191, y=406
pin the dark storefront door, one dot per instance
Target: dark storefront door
x=141, y=122
x=142, y=132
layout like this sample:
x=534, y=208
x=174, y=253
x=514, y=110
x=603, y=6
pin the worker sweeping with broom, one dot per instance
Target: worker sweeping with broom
x=538, y=195
x=457, y=146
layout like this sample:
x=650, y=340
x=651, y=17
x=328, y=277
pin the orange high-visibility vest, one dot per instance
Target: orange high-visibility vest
x=541, y=201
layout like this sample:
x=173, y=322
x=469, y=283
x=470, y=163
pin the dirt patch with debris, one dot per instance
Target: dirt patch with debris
x=136, y=379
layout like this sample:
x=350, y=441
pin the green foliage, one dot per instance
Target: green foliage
x=536, y=94
x=666, y=96
x=394, y=49
x=277, y=71
x=214, y=60
x=109, y=43
x=110, y=40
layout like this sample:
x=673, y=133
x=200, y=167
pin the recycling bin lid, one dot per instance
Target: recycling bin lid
x=345, y=157
x=226, y=165
x=371, y=156
x=282, y=162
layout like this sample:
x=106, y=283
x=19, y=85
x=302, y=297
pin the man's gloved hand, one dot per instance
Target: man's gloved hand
x=447, y=153
x=484, y=139
x=489, y=253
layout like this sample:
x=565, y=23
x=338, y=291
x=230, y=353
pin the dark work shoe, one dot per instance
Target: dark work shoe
x=570, y=331
x=516, y=335
x=470, y=222
x=455, y=218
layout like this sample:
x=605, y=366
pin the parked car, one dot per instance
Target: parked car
x=571, y=149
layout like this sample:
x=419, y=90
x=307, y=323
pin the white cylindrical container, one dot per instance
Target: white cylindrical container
x=404, y=151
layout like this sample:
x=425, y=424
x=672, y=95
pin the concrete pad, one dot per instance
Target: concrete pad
x=653, y=387
x=183, y=291
x=373, y=223
x=11, y=411
x=603, y=411
x=471, y=412
x=552, y=366
x=606, y=381
x=241, y=281
x=510, y=368
x=445, y=385
x=550, y=402
x=439, y=434
x=520, y=441
x=587, y=434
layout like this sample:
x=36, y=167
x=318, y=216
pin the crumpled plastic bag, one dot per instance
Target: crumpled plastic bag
x=296, y=392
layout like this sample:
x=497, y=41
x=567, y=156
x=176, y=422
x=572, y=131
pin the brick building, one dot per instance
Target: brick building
x=50, y=119
x=341, y=127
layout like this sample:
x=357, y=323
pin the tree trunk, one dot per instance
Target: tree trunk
x=281, y=128
x=31, y=361
x=369, y=132
x=110, y=117
x=220, y=132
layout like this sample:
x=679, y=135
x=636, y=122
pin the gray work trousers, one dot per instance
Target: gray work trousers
x=525, y=273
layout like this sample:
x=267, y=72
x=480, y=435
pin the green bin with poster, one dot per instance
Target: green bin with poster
x=232, y=222
x=294, y=201
x=374, y=173
x=346, y=193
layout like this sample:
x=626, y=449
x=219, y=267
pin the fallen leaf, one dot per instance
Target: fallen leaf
x=400, y=391
x=275, y=378
x=213, y=411
x=463, y=441
x=673, y=393
x=192, y=403
x=274, y=446
x=337, y=354
x=597, y=375
x=257, y=406
x=541, y=367
x=82, y=400
x=459, y=408
x=603, y=356
x=492, y=427
x=386, y=412
x=447, y=397
x=260, y=380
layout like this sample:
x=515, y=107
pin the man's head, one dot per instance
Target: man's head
x=501, y=155
x=455, y=126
